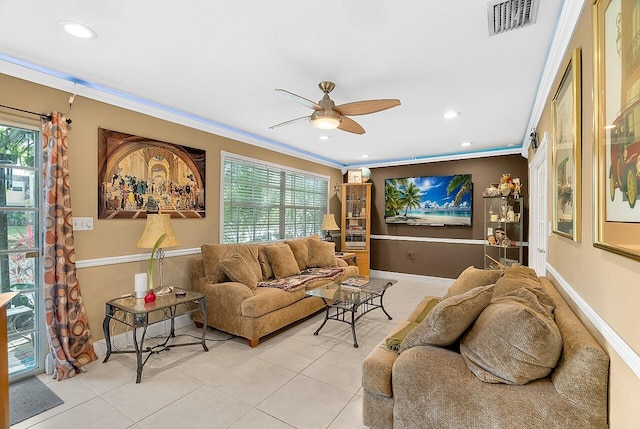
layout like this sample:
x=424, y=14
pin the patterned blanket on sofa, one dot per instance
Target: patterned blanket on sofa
x=294, y=283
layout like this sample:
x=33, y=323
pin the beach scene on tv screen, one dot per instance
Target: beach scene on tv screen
x=429, y=200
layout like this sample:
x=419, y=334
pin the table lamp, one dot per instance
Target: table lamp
x=329, y=224
x=159, y=234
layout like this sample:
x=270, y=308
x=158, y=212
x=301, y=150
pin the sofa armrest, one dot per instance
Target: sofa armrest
x=377, y=366
x=224, y=297
x=341, y=263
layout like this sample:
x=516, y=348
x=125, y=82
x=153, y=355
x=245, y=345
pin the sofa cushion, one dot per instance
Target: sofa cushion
x=514, y=340
x=265, y=300
x=265, y=265
x=471, y=278
x=282, y=260
x=300, y=251
x=516, y=278
x=448, y=320
x=321, y=253
x=212, y=254
x=238, y=270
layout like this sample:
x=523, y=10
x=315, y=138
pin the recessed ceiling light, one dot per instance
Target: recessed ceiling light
x=364, y=156
x=323, y=137
x=78, y=30
x=451, y=114
x=464, y=144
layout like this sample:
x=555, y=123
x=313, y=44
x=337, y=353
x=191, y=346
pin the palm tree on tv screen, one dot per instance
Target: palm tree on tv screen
x=392, y=203
x=410, y=197
x=464, y=182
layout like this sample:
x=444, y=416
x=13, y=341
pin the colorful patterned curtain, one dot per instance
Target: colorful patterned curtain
x=65, y=316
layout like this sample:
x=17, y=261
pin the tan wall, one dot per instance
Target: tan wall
x=607, y=282
x=111, y=238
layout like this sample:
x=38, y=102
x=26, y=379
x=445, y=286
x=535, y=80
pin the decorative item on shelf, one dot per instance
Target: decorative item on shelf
x=354, y=176
x=366, y=174
x=516, y=187
x=504, y=208
x=506, y=184
x=491, y=191
x=158, y=234
x=329, y=224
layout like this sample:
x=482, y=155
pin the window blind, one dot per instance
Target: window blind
x=267, y=202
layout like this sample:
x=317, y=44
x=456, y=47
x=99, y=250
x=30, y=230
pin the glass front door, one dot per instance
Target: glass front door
x=20, y=244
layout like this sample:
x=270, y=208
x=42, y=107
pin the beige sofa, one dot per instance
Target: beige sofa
x=255, y=289
x=430, y=386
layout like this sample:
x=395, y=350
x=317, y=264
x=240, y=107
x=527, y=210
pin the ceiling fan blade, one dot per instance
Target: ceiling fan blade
x=305, y=102
x=350, y=126
x=289, y=122
x=366, y=107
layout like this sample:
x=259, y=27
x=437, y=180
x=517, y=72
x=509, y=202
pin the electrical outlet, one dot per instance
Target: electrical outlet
x=82, y=223
x=411, y=255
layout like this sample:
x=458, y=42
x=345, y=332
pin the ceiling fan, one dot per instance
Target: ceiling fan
x=328, y=116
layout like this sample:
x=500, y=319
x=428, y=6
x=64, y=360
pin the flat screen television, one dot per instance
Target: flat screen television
x=429, y=200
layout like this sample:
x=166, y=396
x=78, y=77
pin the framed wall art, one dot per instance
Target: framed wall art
x=138, y=175
x=617, y=127
x=566, y=156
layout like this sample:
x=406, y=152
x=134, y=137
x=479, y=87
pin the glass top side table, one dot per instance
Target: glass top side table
x=137, y=314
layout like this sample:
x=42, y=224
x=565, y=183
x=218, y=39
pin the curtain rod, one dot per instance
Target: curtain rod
x=41, y=115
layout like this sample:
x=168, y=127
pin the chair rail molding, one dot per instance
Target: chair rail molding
x=627, y=354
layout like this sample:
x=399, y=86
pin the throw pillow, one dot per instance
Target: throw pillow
x=212, y=254
x=448, y=320
x=282, y=261
x=471, y=278
x=321, y=253
x=265, y=265
x=514, y=340
x=516, y=278
x=237, y=269
x=300, y=252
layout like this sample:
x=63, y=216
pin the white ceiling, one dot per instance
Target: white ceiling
x=215, y=64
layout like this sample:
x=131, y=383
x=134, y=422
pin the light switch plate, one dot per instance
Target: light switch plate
x=82, y=223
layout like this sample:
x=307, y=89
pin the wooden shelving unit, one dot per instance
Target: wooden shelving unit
x=356, y=222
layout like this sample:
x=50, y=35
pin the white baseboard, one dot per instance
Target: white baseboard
x=411, y=277
x=125, y=340
x=627, y=354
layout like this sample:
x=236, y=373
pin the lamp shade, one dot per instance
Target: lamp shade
x=329, y=223
x=326, y=120
x=157, y=225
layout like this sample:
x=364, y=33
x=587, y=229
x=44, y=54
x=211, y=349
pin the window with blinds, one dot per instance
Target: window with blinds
x=266, y=202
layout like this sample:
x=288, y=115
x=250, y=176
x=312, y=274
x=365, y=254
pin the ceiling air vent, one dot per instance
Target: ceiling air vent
x=507, y=15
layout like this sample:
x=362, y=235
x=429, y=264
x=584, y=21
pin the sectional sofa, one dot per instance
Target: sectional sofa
x=500, y=350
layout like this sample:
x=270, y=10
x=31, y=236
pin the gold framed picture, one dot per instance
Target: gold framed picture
x=617, y=140
x=566, y=155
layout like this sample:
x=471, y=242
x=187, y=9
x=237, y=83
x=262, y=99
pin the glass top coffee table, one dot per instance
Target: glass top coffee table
x=348, y=300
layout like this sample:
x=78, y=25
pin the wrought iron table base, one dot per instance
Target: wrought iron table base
x=341, y=309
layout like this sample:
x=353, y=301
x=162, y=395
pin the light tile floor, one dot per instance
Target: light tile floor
x=293, y=379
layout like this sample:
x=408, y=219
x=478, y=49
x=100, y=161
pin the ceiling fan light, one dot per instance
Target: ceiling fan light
x=326, y=120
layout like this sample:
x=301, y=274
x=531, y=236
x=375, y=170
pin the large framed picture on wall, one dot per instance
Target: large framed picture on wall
x=617, y=126
x=139, y=175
